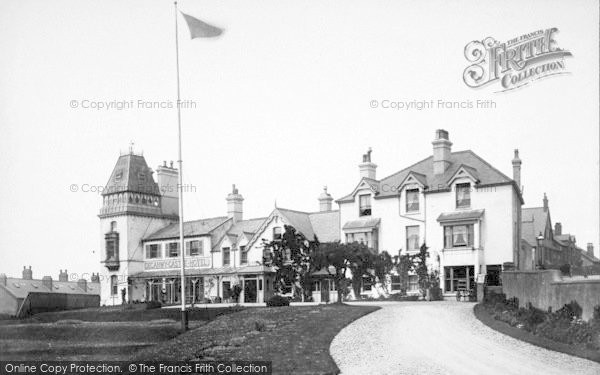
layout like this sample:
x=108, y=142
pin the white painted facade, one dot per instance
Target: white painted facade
x=496, y=232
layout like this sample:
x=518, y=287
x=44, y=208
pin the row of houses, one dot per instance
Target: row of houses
x=468, y=213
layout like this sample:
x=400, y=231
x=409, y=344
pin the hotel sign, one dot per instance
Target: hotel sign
x=175, y=263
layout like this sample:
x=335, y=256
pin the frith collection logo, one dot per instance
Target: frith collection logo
x=516, y=62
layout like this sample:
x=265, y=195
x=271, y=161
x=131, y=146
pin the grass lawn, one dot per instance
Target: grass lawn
x=94, y=334
x=127, y=313
x=523, y=335
x=296, y=338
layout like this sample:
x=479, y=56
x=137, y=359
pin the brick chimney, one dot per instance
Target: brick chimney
x=47, y=282
x=96, y=277
x=27, y=273
x=442, y=147
x=3, y=279
x=325, y=200
x=167, y=179
x=516, y=163
x=63, y=276
x=590, y=249
x=367, y=168
x=82, y=284
x=235, y=208
x=557, y=229
x=545, y=200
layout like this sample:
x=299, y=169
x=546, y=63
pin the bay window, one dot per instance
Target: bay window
x=458, y=236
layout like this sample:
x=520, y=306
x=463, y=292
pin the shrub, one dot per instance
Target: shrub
x=565, y=269
x=260, y=325
x=400, y=297
x=569, y=312
x=217, y=300
x=436, y=294
x=492, y=298
x=277, y=300
x=531, y=317
x=153, y=305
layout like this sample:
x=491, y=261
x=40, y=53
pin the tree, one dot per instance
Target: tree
x=382, y=265
x=337, y=258
x=419, y=261
x=403, y=266
x=291, y=258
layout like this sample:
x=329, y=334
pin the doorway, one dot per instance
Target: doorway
x=325, y=290
x=250, y=290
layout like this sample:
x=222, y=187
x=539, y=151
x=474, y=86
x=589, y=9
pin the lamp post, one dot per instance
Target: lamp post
x=540, y=249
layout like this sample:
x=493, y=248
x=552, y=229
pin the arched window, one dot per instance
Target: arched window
x=113, y=226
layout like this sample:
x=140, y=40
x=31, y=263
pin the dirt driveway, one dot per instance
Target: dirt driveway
x=441, y=338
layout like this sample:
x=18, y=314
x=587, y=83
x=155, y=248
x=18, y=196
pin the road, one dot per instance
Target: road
x=442, y=338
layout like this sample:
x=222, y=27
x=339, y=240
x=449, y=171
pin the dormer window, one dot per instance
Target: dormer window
x=463, y=195
x=364, y=208
x=142, y=177
x=118, y=176
x=412, y=200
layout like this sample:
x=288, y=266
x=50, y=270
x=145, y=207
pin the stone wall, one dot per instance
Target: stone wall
x=549, y=289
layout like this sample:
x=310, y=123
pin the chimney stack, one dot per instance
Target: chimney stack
x=27, y=273
x=545, y=200
x=557, y=229
x=367, y=168
x=63, y=276
x=3, y=279
x=168, y=181
x=96, y=277
x=234, y=205
x=590, y=249
x=47, y=282
x=325, y=200
x=442, y=148
x=516, y=163
x=82, y=284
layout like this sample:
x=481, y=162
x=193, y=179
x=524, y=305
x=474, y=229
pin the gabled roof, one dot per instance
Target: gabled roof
x=487, y=174
x=373, y=185
x=190, y=228
x=588, y=257
x=420, y=177
x=20, y=288
x=534, y=220
x=131, y=173
x=471, y=172
x=240, y=229
x=323, y=224
x=326, y=225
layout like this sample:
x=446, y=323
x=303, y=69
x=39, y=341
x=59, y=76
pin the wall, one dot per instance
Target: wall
x=132, y=229
x=549, y=289
x=42, y=302
x=9, y=304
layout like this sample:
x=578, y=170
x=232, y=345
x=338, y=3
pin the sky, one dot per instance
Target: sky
x=282, y=105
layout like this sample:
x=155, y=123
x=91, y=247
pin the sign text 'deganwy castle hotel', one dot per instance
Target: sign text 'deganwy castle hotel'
x=466, y=211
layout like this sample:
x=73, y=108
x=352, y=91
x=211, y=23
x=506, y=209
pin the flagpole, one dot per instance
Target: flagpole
x=184, y=317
